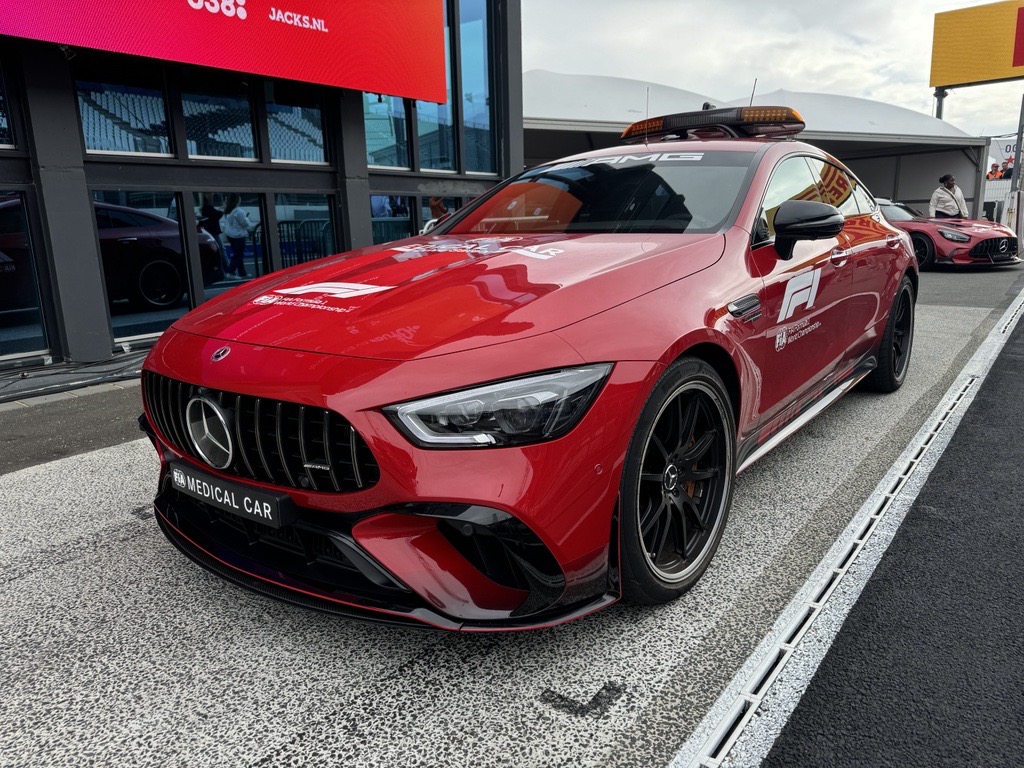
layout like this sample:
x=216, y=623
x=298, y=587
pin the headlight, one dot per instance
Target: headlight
x=956, y=237
x=513, y=412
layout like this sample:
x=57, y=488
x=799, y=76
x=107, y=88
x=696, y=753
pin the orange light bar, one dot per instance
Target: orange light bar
x=735, y=121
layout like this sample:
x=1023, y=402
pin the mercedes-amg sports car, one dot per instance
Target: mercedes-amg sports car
x=959, y=242
x=542, y=405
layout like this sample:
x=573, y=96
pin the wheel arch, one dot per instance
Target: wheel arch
x=720, y=359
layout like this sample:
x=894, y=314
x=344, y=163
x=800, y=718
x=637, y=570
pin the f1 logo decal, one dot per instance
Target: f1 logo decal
x=800, y=291
x=336, y=290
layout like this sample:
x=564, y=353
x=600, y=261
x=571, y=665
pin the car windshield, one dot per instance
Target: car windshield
x=692, y=191
x=895, y=212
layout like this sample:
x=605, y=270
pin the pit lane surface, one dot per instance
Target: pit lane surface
x=115, y=650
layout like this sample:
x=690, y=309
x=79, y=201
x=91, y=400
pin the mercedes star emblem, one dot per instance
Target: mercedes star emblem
x=220, y=354
x=1003, y=245
x=210, y=432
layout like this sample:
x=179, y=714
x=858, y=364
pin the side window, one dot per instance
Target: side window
x=102, y=219
x=836, y=187
x=791, y=180
x=865, y=201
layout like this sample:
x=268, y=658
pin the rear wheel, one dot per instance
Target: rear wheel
x=677, y=483
x=897, y=342
x=924, y=250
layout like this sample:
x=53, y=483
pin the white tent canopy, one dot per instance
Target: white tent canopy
x=897, y=152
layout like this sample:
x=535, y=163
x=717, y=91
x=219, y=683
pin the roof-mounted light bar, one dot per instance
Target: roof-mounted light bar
x=727, y=122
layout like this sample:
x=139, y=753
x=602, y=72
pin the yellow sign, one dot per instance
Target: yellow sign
x=983, y=44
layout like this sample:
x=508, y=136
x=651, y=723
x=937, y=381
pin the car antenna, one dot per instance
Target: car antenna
x=647, y=114
x=752, y=93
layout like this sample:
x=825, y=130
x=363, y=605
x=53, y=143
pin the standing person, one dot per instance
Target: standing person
x=948, y=200
x=236, y=227
x=210, y=220
x=1008, y=168
x=995, y=173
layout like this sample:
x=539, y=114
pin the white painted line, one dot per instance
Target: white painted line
x=773, y=679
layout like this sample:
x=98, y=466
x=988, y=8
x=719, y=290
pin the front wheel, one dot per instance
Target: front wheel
x=677, y=483
x=897, y=342
x=924, y=250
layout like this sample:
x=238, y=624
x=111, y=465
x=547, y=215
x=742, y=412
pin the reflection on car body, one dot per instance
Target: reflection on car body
x=541, y=406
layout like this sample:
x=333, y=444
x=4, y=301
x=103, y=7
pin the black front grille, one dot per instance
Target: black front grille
x=277, y=442
x=996, y=248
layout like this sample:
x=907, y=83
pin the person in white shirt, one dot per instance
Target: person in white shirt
x=948, y=200
x=236, y=227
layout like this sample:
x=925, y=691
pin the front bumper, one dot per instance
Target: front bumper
x=483, y=539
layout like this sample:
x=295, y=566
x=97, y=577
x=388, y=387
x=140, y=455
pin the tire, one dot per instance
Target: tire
x=677, y=483
x=897, y=342
x=159, y=285
x=924, y=250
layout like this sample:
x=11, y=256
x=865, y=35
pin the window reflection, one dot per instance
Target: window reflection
x=433, y=208
x=231, y=224
x=386, y=121
x=294, y=124
x=434, y=121
x=21, y=325
x=6, y=129
x=144, y=264
x=476, y=86
x=122, y=118
x=219, y=125
x=391, y=217
x=304, y=227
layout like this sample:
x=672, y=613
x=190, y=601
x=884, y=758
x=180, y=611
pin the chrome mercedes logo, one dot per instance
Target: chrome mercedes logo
x=210, y=432
x=671, y=478
x=1003, y=245
x=220, y=354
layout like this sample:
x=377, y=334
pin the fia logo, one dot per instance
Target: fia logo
x=781, y=338
x=800, y=291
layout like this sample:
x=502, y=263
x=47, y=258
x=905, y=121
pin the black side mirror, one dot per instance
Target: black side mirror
x=804, y=220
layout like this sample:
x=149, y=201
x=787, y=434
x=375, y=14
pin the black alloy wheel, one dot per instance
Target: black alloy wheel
x=897, y=342
x=677, y=484
x=924, y=250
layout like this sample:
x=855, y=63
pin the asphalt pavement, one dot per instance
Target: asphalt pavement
x=928, y=669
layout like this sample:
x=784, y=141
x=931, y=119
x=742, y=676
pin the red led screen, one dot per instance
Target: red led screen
x=394, y=47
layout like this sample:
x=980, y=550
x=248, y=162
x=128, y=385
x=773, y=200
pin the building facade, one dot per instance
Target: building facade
x=133, y=188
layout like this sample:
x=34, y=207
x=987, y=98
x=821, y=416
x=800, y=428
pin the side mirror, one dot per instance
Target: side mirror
x=432, y=224
x=804, y=220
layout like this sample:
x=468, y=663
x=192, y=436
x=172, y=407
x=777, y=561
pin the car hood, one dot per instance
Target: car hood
x=435, y=295
x=970, y=226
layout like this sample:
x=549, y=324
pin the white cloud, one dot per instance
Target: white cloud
x=874, y=49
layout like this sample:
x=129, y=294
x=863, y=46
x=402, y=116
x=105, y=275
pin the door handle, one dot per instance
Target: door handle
x=839, y=256
x=892, y=241
x=127, y=239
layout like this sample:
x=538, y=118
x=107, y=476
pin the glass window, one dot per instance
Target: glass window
x=6, y=129
x=295, y=124
x=865, y=203
x=144, y=264
x=305, y=227
x=231, y=226
x=434, y=123
x=123, y=118
x=476, y=86
x=791, y=180
x=433, y=208
x=391, y=217
x=21, y=324
x=219, y=125
x=386, y=122
x=624, y=193
x=835, y=186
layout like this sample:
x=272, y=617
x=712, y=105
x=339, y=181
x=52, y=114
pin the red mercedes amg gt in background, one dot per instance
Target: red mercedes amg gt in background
x=541, y=406
x=953, y=241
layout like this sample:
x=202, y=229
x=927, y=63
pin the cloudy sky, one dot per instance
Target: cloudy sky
x=874, y=49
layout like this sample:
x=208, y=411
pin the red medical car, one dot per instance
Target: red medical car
x=542, y=405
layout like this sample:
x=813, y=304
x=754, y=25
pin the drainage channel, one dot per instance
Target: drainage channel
x=783, y=655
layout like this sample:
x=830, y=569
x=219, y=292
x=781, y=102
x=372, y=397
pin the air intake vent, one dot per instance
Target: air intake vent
x=276, y=442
